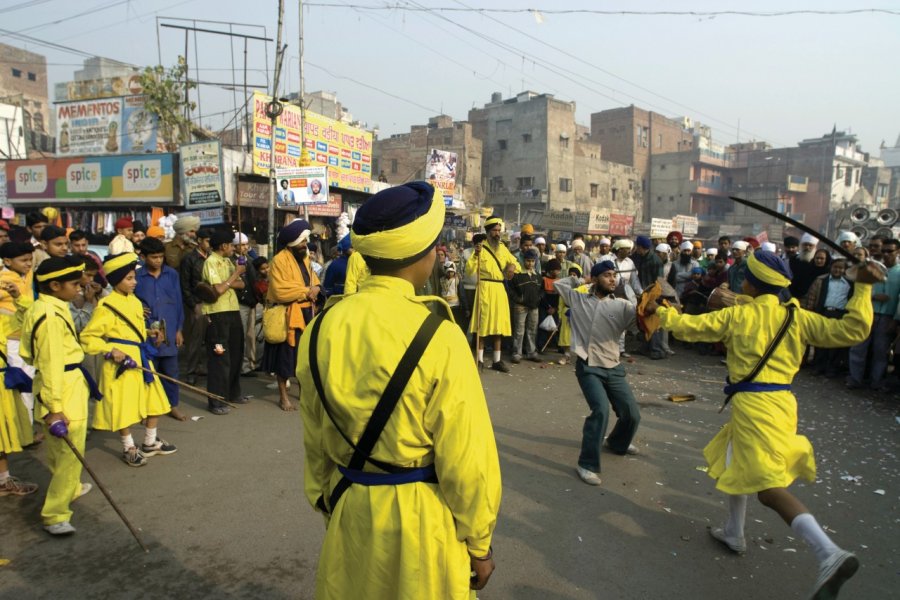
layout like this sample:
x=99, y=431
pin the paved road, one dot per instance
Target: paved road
x=225, y=516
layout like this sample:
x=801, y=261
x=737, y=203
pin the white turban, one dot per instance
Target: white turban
x=578, y=244
x=540, y=240
x=808, y=239
x=686, y=246
x=768, y=247
x=623, y=243
x=740, y=245
x=604, y=242
x=663, y=248
x=712, y=251
x=240, y=238
x=561, y=248
x=848, y=236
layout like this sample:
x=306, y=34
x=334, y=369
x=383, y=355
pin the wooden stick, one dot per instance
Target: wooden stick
x=552, y=333
x=478, y=308
x=188, y=386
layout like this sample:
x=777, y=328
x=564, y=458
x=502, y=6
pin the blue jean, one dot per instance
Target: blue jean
x=880, y=341
x=602, y=388
x=168, y=365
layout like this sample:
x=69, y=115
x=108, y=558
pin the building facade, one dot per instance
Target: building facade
x=23, y=83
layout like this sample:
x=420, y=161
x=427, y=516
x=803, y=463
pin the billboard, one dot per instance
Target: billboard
x=302, y=185
x=202, y=185
x=686, y=224
x=104, y=126
x=621, y=224
x=599, y=222
x=137, y=178
x=344, y=150
x=440, y=171
x=107, y=87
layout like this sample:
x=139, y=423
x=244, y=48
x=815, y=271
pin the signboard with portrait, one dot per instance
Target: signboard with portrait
x=202, y=185
x=440, y=171
x=302, y=185
x=105, y=126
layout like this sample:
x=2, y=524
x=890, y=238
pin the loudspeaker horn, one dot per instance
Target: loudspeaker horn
x=859, y=214
x=861, y=232
x=887, y=217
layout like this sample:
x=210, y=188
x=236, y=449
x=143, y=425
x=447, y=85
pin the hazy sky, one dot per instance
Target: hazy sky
x=780, y=79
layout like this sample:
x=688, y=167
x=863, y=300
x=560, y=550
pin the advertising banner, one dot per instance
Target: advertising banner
x=344, y=150
x=686, y=224
x=302, y=185
x=621, y=224
x=107, y=87
x=202, y=185
x=332, y=208
x=254, y=194
x=137, y=178
x=599, y=222
x=660, y=228
x=440, y=171
x=105, y=126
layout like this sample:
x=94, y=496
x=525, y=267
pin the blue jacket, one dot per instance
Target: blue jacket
x=162, y=295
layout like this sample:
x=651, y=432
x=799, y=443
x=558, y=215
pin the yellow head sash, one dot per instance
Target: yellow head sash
x=765, y=273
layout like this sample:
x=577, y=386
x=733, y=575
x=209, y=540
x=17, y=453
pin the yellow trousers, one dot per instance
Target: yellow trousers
x=65, y=485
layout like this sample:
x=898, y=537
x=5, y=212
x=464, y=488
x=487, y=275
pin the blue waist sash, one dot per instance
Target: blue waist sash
x=753, y=386
x=15, y=378
x=147, y=351
x=92, y=385
x=425, y=474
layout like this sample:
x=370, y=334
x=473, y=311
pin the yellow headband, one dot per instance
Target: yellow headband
x=404, y=241
x=493, y=221
x=766, y=274
x=60, y=273
x=123, y=260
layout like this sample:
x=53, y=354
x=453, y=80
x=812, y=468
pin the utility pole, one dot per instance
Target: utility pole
x=273, y=110
x=304, y=157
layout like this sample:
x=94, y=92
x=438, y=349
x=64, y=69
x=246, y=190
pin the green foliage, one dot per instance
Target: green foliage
x=165, y=92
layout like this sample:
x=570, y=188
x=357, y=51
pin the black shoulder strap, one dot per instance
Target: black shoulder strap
x=119, y=314
x=389, y=398
x=494, y=256
x=34, y=329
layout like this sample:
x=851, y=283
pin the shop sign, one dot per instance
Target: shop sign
x=332, y=208
x=440, y=171
x=599, y=222
x=660, y=228
x=104, y=127
x=621, y=224
x=202, y=185
x=253, y=194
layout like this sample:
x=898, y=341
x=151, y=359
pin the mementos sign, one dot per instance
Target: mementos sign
x=137, y=178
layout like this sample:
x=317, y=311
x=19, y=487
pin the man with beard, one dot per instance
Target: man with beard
x=804, y=271
x=738, y=270
x=682, y=268
x=580, y=257
x=848, y=240
x=725, y=250
x=808, y=245
x=491, y=259
x=184, y=241
x=598, y=321
x=292, y=282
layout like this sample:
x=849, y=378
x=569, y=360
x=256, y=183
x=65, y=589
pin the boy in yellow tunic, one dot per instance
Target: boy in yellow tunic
x=491, y=300
x=16, y=295
x=420, y=513
x=117, y=331
x=759, y=451
x=15, y=424
x=50, y=345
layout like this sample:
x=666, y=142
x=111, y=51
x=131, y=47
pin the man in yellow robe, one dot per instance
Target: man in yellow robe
x=759, y=451
x=491, y=312
x=357, y=271
x=411, y=495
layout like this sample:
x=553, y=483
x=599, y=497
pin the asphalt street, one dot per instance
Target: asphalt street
x=225, y=516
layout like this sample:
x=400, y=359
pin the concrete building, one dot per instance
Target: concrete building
x=23, y=83
x=632, y=136
x=537, y=159
x=402, y=157
x=12, y=133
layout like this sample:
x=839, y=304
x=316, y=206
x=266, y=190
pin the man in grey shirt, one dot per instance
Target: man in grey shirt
x=598, y=319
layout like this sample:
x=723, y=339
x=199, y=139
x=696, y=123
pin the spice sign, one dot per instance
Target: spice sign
x=302, y=185
x=105, y=126
x=440, y=171
x=345, y=151
x=599, y=222
x=202, y=185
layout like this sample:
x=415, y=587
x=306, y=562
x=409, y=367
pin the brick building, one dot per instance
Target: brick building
x=23, y=83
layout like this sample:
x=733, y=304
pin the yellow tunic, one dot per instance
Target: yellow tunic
x=766, y=451
x=565, y=328
x=357, y=271
x=55, y=346
x=491, y=298
x=16, y=307
x=287, y=286
x=408, y=541
x=126, y=399
x=15, y=426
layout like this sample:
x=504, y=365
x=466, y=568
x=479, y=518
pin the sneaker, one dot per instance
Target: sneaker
x=85, y=488
x=515, y=359
x=17, y=487
x=535, y=358
x=133, y=457
x=500, y=366
x=563, y=360
x=160, y=447
x=632, y=449
x=220, y=410
x=64, y=528
x=736, y=545
x=624, y=355
x=670, y=352
x=589, y=477
x=833, y=573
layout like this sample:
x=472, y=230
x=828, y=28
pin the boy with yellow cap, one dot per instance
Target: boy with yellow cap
x=61, y=384
x=759, y=451
x=434, y=467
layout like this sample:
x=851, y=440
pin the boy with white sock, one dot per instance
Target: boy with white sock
x=759, y=450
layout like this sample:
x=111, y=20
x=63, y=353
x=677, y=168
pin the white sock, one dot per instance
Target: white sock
x=127, y=442
x=737, y=511
x=496, y=356
x=150, y=436
x=481, y=355
x=4, y=476
x=808, y=528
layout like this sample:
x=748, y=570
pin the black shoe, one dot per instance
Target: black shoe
x=249, y=374
x=500, y=366
x=242, y=400
x=220, y=410
x=535, y=358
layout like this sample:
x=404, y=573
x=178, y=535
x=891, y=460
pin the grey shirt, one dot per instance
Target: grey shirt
x=597, y=323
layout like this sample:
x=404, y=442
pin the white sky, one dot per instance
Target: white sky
x=782, y=78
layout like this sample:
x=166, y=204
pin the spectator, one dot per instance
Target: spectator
x=191, y=273
x=525, y=292
x=828, y=296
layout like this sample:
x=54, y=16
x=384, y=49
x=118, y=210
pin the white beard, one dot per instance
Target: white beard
x=807, y=256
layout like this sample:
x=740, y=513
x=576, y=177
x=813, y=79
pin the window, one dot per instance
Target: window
x=848, y=180
x=526, y=138
x=32, y=77
x=563, y=141
x=496, y=184
x=659, y=140
x=662, y=167
x=524, y=183
x=448, y=139
x=501, y=144
x=671, y=198
x=38, y=122
x=594, y=190
x=641, y=135
x=17, y=73
x=614, y=194
x=393, y=166
x=659, y=198
x=565, y=184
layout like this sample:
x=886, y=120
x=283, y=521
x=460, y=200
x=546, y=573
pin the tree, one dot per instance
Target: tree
x=166, y=95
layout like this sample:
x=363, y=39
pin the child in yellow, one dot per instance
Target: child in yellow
x=16, y=295
x=15, y=424
x=565, y=329
x=117, y=331
x=50, y=345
